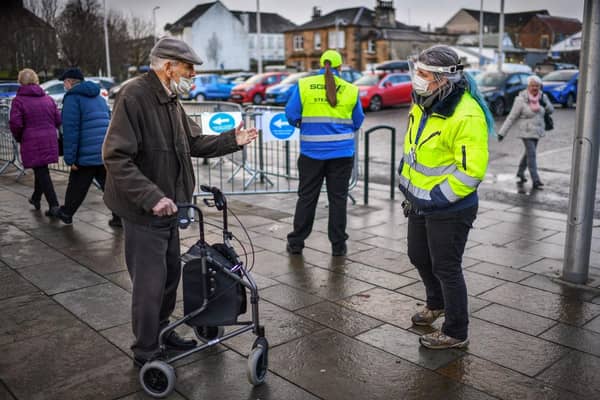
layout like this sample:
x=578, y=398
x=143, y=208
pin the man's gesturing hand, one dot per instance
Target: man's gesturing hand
x=164, y=207
x=244, y=136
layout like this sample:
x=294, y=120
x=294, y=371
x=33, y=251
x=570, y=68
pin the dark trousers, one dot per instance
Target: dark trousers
x=436, y=244
x=336, y=173
x=79, y=184
x=529, y=160
x=43, y=185
x=152, y=256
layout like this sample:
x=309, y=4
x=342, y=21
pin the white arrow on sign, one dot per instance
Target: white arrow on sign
x=219, y=121
x=279, y=123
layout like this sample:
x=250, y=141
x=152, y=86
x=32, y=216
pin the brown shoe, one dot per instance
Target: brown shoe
x=439, y=341
x=426, y=317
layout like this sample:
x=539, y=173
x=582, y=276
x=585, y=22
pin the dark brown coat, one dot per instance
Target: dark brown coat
x=148, y=148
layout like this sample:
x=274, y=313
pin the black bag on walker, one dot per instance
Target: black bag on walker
x=226, y=296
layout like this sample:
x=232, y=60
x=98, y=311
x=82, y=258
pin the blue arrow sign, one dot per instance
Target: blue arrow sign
x=221, y=122
x=280, y=128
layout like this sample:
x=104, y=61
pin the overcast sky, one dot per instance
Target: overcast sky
x=414, y=12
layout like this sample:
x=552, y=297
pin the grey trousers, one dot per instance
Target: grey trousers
x=152, y=257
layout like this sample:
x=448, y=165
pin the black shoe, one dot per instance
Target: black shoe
x=522, y=178
x=115, y=222
x=175, y=342
x=339, y=251
x=53, y=212
x=66, y=219
x=35, y=204
x=538, y=185
x=293, y=250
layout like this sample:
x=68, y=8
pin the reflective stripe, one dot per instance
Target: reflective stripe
x=336, y=137
x=466, y=179
x=328, y=120
x=448, y=192
x=430, y=171
x=415, y=191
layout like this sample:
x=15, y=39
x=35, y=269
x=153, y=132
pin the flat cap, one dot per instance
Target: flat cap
x=72, y=73
x=174, y=49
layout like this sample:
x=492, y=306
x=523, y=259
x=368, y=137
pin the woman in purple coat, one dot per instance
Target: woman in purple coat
x=34, y=119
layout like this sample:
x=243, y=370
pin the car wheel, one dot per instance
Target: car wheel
x=570, y=101
x=498, y=107
x=200, y=97
x=257, y=98
x=375, y=104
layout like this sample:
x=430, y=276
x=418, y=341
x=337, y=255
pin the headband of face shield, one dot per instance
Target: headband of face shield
x=421, y=85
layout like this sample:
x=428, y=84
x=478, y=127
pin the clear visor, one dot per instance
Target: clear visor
x=414, y=65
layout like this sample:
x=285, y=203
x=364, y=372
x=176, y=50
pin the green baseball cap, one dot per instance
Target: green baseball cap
x=334, y=57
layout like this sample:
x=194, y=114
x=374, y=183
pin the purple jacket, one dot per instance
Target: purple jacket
x=34, y=119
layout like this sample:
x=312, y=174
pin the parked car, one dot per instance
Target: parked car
x=55, y=89
x=104, y=82
x=500, y=89
x=350, y=74
x=253, y=90
x=113, y=91
x=383, y=90
x=210, y=87
x=561, y=86
x=238, y=77
x=473, y=72
x=392, y=66
x=9, y=89
x=545, y=68
x=280, y=94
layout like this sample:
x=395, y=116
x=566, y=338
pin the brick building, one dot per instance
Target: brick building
x=543, y=31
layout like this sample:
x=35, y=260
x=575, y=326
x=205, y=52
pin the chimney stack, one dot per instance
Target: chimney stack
x=385, y=14
x=316, y=12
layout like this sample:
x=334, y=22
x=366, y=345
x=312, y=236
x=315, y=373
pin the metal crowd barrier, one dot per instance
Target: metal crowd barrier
x=9, y=148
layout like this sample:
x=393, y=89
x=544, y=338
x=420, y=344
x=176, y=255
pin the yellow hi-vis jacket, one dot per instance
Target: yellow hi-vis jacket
x=445, y=154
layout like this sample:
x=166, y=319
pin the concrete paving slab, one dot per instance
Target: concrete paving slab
x=333, y=366
x=500, y=255
x=398, y=245
x=405, y=344
x=271, y=265
x=521, y=230
x=324, y=283
x=73, y=363
x=60, y=276
x=348, y=322
x=500, y=272
x=32, y=315
x=12, y=284
x=554, y=285
x=543, y=303
x=593, y=325
x=575, y=338
x=577, y=372
x=288, y=297
x=507, y=347
x=372, y=275
x=102, y=306
x=385, y=259
x=10, y=234
x=501, y=382
x=510, y=318
x=32, y=252
x=63, y=236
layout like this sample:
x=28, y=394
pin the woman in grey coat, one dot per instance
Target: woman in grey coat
x=528, y=112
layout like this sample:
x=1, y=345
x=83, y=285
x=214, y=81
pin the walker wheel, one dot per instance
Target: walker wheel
x=258, y=362
x=157, y=379
x=207, y=333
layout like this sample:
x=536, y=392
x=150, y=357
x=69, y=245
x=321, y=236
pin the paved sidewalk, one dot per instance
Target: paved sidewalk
x=339, y=328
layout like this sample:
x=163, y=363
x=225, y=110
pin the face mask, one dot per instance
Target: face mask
x=182, y=87
x=420, y=86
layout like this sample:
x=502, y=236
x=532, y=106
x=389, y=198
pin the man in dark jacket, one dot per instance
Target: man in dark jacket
x=147, y=156
x=86, y=117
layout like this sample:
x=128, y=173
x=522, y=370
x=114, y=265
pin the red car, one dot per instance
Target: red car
x=253, y=90
x=378, y=91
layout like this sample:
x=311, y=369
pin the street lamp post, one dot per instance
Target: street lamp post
x=481, y=34
x=154, y=23
x=501, y=37
x=108, y=72
x=259, y=60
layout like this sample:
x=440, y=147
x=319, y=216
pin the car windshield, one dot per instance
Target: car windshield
x=559, y=76
x=367, y=80
x=490, y=79
x=255, y=79
x=293, y=78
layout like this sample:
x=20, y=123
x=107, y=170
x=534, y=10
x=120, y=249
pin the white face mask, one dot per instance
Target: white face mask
x=182, y=87
x=421, y=86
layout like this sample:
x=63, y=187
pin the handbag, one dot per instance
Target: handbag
x=548, y=121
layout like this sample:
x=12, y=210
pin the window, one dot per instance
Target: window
x=371, y=46
x=317, y=38
x=544, y=41
x=56, y=89
x=271, y=80
x=270, y=42
x=298, y=43
x=341, y=39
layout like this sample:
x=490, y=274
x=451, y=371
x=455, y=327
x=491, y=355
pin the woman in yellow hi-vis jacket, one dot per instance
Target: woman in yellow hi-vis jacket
x=445, y=159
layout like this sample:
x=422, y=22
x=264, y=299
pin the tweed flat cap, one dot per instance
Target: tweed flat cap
x=175, y=49
x=72, y=73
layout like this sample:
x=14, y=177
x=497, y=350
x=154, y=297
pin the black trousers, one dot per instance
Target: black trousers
x=79, y=184
x=43, y=185
x=436, y=244
x=336, y=173
x=152, y=257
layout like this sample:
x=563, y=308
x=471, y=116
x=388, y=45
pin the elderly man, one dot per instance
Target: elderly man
x=147, y=156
